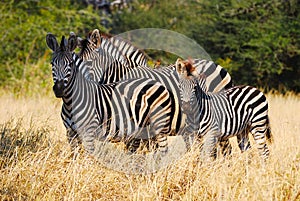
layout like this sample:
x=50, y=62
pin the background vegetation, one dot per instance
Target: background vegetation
x=258, y=42
x=24, y=55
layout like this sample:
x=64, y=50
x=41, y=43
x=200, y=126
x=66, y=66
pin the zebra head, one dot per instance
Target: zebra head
x=62, y=62
x=89, y=45
x=189, y=83
x=187, y=93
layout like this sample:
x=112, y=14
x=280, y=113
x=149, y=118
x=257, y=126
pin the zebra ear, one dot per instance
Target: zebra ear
x=72, y=43
x=63, y=44
x=95, y=37
x=79, y=42
x=51, y=42
x=178, y=65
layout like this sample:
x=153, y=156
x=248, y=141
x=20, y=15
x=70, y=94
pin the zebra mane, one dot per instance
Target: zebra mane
x=105, y=35
x=201, y=81
x=84, y=45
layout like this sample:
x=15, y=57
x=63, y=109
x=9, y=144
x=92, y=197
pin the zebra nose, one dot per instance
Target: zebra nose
x=58, y=88
x=186, y=106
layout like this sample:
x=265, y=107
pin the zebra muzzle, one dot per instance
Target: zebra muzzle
x=186, y=107
x=58, y=88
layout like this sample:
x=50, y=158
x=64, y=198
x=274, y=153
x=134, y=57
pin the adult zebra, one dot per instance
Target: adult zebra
x=218, y=78
x=219, y=116
x=104, y=51
x=117, y=111
x=93, y=48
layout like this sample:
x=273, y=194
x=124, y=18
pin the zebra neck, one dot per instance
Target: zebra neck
x=203, y=99
x=78, y=89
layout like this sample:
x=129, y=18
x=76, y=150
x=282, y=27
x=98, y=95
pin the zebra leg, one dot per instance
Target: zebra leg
x=226, y=148
x=209, y=151
x=188, y=138
x=162, y=144
x=243, y=142
x=88, y=140
x=259, y=134
x=73, y=139
x=138, y=139
x=133, y=145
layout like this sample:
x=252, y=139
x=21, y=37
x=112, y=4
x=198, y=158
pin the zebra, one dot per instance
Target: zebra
x=219, y=78
x=104, y=51
x=221, y=115
x=108, y=112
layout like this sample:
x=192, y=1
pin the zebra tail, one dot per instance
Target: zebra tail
x=269, y=133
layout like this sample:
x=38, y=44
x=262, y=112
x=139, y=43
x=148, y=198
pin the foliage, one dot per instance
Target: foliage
x=24, y=56
x=257, y=41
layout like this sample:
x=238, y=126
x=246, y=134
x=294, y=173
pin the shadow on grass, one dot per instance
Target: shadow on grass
x=18, y=139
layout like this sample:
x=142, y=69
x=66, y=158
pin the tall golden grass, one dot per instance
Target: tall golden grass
x=36, y=163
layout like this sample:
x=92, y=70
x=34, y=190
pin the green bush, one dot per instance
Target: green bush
x=256, y=41
x=24, y=55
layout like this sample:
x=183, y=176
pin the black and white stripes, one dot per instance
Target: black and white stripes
x=110, y=94
x=103, y=52
x=116, y=111
x=219, y=116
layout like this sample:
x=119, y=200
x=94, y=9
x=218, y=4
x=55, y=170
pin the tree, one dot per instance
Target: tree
x=24, y=56
x=256, y=41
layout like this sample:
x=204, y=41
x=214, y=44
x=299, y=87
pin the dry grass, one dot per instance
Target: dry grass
x=35, y=163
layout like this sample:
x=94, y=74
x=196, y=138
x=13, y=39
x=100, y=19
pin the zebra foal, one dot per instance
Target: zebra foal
x=219, y=116
x=107, y=112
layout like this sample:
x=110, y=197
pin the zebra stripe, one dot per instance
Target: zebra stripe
x=132, y=57
x=113, y=112
x=104, y=51
x=219, y=116
x=166, y=75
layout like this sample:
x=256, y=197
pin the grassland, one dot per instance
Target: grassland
x=36, y=163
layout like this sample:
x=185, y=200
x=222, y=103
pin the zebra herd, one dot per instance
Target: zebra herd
x=110, y=94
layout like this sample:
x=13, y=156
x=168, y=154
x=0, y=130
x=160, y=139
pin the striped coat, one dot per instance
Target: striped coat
x=109, y=112
x=219, y=116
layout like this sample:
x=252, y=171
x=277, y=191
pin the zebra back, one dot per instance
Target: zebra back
x=134, y=55
x=216, y=77
x=120, y=110
x=104, y=51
